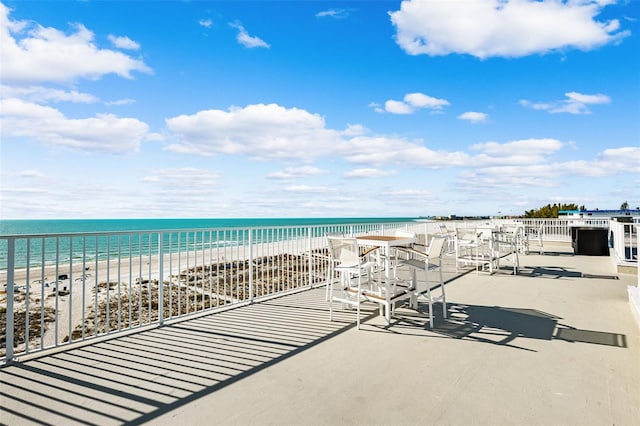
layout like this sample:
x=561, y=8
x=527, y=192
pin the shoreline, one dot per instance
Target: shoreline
x=189, y=277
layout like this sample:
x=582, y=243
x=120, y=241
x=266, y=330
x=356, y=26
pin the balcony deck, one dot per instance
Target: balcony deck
x=556, y=344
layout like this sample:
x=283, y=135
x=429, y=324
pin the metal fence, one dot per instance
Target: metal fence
x=560, y=229
x=65, y=288
x=624, y=241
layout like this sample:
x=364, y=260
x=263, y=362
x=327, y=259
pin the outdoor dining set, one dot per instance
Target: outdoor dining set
x=394, y=269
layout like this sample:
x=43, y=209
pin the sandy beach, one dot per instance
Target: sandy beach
x=64, y=297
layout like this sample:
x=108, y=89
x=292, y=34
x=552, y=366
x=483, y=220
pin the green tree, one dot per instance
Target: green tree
x=550, y=211
x=624, y=206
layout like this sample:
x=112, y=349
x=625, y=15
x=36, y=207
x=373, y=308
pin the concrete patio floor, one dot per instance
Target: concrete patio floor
x=555, y=345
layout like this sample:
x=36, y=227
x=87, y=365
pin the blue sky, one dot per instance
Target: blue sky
x=119, y=109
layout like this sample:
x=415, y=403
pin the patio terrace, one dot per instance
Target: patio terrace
x=556, y=344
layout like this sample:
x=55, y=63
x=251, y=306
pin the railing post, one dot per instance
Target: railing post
x=11, y=263
x=310, y=240
x=250, y=265
x=624, y=247
x=160, y=279
x=637, y=226
x=426, y=233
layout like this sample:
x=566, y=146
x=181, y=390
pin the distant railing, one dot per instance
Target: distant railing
x=552, y=229
x=64, y=288
x=560, y=229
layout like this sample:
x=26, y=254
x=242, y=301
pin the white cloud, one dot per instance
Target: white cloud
x=398, y=107
x=30, y=174
x=576, y=103
x=120, y=102
x=412, y=195
x=259, y=131
x=275, y=132
x=588, y=99
x=306, y=189
x=123, y=42
x=420, y=100
x=47, y=125
x=523, y=147
x=297, y=172
x=207, y=23
x=625, y=159
x=516, y=172
x=508, y=28
x=378, y=150
x=355, y=130
x=474, y=117
x=508, y=177
x=376, y=107
x=411, y=103
x=24, y=190
x=334, y=13
x=247, y=40
x=369, y=173
x=42, y=94
x=31, y=53
x=519, y=152
x=185, y=176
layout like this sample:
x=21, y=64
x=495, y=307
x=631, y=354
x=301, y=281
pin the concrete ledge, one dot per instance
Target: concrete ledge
x=634, y=302
x=627, y=269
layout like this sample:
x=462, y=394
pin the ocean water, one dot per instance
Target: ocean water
x=55, y=226
x=135, y=240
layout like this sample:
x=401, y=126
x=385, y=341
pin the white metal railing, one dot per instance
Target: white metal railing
x=64, y=288
x=624, y=241
x=560, y=229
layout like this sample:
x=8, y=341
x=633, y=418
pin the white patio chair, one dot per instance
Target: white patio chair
x=520, y=237
x=426, y=262
x=535, y=233
x=388, y=292
x=395, y=252
x=508, y=242
x=331, y=264
x=466, y=244
x=351, y=266
x=450, y=234
x=474, y=246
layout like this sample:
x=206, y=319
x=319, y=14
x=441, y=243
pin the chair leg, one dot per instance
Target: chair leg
x=413, y=300
x=329, y=279
x=358, y=302
x=330, y=302
x=430, y=305
x=444, y=298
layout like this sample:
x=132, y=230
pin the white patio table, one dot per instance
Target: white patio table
x=385, y=242
x=387, y=298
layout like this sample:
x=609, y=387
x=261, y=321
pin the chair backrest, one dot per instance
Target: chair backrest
x=466, y=234
x=334, y=234
x=485, y=233
x=513, y=228
x=404, y=234
x=344, y=249
x=444, y=230
x=436, y=248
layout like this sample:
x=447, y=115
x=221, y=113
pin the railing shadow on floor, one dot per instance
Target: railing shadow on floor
x=135, y=378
